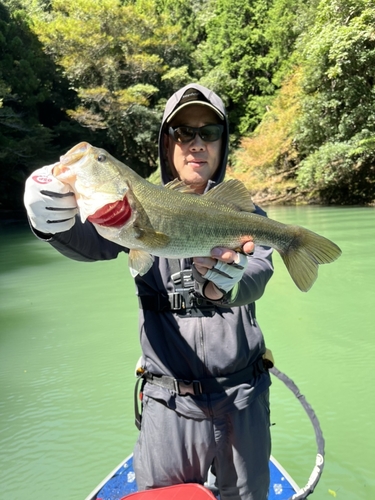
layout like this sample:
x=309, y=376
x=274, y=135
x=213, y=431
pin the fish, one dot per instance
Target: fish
x=172, y=221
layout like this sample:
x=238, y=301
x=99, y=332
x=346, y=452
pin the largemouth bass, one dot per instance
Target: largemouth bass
x=174, y=222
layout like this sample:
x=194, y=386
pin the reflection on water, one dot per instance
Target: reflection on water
x=69, y=342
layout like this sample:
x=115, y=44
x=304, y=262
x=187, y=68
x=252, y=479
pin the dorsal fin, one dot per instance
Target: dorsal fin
x=232, y=193
x=180, y=186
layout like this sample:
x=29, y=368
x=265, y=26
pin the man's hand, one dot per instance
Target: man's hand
x=223, y=269
x=50, y=204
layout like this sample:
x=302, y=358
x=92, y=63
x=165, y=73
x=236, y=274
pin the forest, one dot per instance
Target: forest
x=297, y=78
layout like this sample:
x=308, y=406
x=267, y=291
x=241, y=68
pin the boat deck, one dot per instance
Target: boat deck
x=121, y=482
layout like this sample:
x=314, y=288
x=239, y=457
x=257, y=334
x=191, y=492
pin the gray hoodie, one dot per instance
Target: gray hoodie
x=171, y=106
x=222, y=340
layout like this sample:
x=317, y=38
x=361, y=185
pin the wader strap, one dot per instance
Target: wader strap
x=207, y=385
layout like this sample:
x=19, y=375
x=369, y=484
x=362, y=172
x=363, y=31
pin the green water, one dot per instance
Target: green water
x=69, y=342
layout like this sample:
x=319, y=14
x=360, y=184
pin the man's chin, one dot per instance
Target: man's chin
x=197, y=182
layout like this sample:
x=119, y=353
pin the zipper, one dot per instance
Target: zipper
x=252, y=315
x=202, y=347
x=205, y=368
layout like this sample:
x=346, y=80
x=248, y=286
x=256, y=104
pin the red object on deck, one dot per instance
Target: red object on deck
x=176, y=492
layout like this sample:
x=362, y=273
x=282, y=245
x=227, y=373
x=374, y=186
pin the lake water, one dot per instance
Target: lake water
x=69, y=343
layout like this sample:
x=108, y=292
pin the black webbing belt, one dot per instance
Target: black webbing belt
x=205, y=385
x=158, y=302
x=197, y=387
x=173, y=302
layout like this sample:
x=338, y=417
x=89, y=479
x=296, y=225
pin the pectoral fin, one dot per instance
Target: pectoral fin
x=142, y=227
x=139, y=262
x=149, y=237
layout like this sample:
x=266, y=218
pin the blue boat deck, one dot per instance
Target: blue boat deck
x=121, y=482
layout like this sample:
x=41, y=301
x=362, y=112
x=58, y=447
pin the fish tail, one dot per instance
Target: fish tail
x=306, y=251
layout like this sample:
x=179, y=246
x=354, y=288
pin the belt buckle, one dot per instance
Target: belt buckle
x=184, y=387
x=176, y=301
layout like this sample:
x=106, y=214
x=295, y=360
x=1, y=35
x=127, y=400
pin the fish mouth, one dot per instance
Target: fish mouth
x=75, y=154
x=114, y=214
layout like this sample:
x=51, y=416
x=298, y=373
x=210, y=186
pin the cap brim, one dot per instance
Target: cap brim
x=201, y=103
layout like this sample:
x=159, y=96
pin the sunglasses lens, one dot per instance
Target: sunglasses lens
x=183, y=134
x=208, y=133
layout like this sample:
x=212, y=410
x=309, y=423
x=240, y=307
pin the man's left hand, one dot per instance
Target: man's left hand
x=233, y=266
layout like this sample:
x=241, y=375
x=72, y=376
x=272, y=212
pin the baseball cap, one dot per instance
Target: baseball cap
x=193, y=96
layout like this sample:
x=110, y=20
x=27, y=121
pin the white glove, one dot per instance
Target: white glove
x=224, y=276
x=50, y=204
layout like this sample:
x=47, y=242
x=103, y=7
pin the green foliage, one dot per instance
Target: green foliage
x=331, y=155
x=287, y=21
x=297, y=77
x=129, y=61
x=266, y=160
x=190, y=15
x=177, y=77
x=339, y=62
x=341, y=172
x=30, y=114
x=233, y=58
x=338, y=105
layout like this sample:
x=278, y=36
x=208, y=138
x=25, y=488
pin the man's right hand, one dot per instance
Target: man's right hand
x=50, y=204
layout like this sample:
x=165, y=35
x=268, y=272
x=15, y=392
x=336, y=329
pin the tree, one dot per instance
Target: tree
x=191, y=16
x=233, y=59
x=118, y=56
x=31, y=106
x=287, y=22
x=325, y=149
x=338, y=109
x=266, y=161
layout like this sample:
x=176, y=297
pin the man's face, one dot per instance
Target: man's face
x=194, y=162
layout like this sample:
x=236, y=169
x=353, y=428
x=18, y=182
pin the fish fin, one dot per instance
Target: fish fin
x=151, y=238
x=303, y=256
x=232, y=193
x=142, y=227
x=177, y=185
x=139, y=262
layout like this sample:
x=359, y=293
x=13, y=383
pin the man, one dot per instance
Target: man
x=205, y=389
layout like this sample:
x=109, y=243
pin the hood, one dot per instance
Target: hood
x=173, y=103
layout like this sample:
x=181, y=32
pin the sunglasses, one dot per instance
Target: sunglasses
x=208, y=133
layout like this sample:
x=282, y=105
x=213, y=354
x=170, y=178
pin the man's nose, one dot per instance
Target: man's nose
x=197, y=143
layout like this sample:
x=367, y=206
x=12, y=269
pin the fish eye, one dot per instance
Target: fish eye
x=101, y=158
